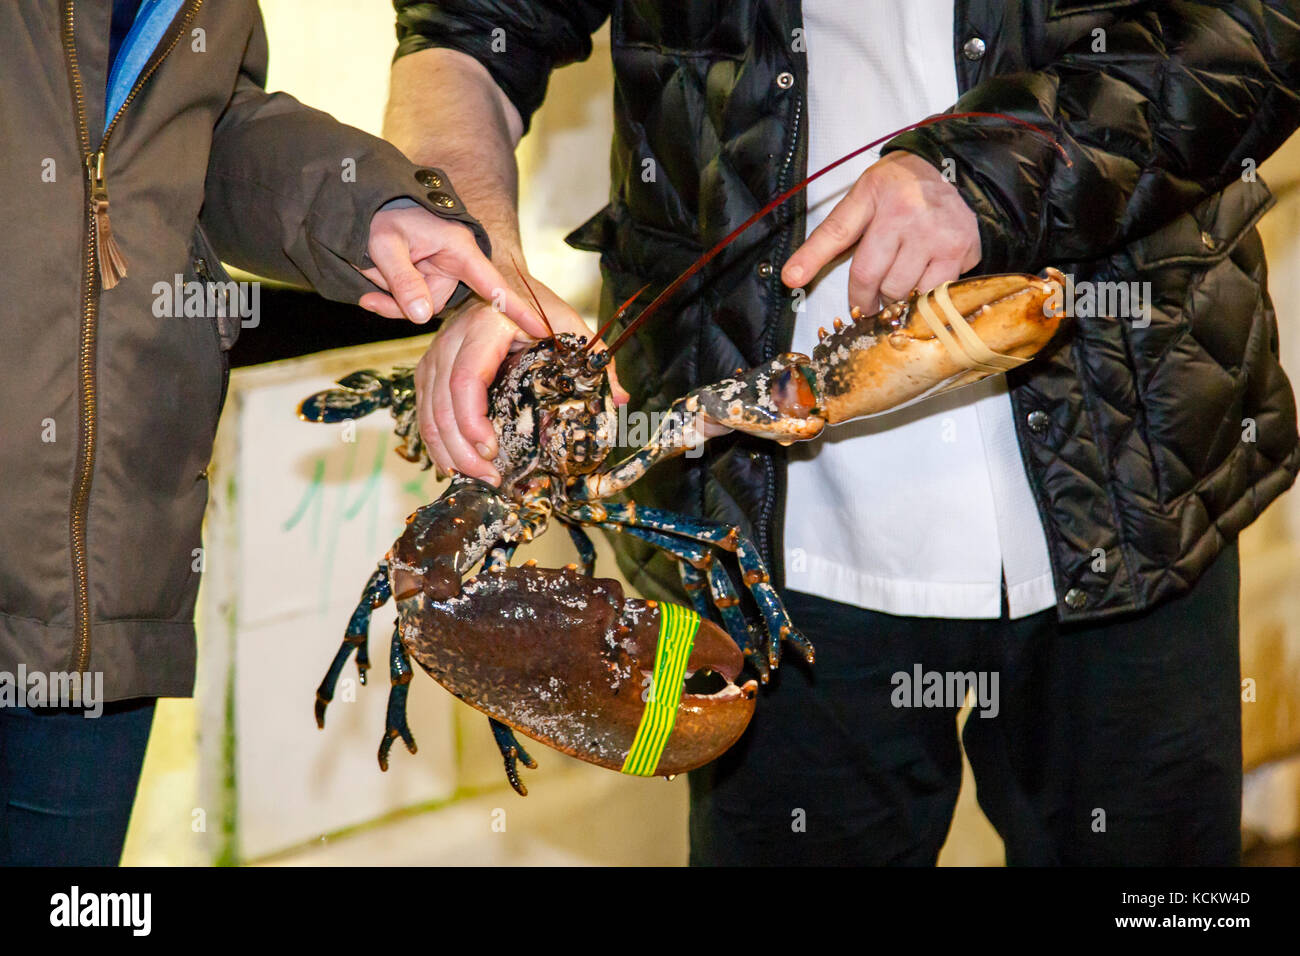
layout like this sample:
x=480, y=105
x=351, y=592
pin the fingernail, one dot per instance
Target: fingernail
x=421, y=309
x=484, y=450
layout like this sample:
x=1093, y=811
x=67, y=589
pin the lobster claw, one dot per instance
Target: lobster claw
x=954, y=335
x=358, y=394
x=570, y=661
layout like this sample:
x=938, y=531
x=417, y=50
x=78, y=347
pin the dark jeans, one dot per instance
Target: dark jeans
x=1113, y=743
x=67, y=782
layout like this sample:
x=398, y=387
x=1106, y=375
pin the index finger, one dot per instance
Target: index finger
x=837, y=232
x=477, y=272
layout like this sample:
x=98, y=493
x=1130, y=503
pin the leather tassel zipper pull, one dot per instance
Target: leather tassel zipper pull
x=112, y=264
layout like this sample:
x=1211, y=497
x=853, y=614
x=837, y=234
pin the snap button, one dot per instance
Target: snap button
x=1075, y=599
x=785, y=79
x=1038, y=421
x=1207, y=240
x=443, y=200
x=428, y=178
x=765, y=270
x=973, y=49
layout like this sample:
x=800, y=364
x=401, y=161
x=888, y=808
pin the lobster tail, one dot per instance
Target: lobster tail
x=360, y=393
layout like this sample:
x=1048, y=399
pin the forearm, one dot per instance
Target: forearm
x=445, y=110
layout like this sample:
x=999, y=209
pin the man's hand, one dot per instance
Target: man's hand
x=419, y=259
x=452, y=378
x=911, y=228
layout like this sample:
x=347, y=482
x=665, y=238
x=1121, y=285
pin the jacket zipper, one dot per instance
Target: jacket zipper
x=773, y=508
x=104, y=267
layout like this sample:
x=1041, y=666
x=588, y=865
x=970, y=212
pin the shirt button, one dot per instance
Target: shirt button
x=1038, y=421
x=1075, y=599
x=765, y=270
x=973, y=49
x=443, y=200
x=428, y=178
x=785, y=79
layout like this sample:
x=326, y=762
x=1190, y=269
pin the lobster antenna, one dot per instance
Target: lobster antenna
x=540, y=311
x=731, y=237
x=618, y=314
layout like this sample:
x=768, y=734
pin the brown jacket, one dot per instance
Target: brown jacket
x=108, y=411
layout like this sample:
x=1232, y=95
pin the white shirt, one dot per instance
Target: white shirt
x=919, y=512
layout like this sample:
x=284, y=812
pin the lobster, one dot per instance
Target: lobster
x=569, y=659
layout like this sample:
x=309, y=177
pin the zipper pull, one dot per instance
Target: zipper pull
x=112, y=264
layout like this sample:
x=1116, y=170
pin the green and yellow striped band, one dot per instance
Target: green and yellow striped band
x=677, y=629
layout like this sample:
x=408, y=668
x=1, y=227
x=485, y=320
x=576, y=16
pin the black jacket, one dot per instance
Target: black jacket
x=1152, y=446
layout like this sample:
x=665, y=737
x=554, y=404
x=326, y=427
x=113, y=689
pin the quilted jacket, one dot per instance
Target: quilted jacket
x=1148, y=446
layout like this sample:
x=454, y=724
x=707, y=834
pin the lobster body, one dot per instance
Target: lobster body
x=568, y=659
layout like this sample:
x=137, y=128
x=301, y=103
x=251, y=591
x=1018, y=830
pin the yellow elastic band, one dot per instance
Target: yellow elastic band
x=677, y=629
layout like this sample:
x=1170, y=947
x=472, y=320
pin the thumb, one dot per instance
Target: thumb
x=392, y=257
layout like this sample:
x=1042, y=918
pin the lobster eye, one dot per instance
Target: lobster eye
x=564, y=384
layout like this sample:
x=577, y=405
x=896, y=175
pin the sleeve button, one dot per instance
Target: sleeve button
x=442, y=200
x=428, y=178
x=1075, y=599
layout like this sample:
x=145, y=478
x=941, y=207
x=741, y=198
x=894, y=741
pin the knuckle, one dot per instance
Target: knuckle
x=863, y=274
x=461, y=378
x=406, y=284
x=836, y=229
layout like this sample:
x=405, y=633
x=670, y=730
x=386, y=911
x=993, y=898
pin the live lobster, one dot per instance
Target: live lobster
x=569, y=659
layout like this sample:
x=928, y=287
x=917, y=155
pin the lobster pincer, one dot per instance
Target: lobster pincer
x=931, y=342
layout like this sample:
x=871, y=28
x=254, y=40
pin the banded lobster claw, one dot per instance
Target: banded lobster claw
x=569, y=660
x=954, y=335
x=562, y=657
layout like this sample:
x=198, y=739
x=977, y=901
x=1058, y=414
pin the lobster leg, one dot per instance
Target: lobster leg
x=586, y=550
x=499, y=555
x=727, y=601
x=375, y=594
x=722, y=536
x=395, y=723
x=513, y=753
x=696, y=565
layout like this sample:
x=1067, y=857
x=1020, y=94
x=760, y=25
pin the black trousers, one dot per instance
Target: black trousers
x=1110, y=744
x=67, y=782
